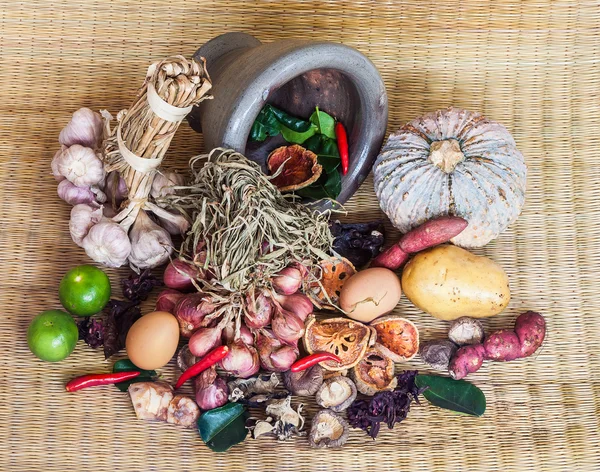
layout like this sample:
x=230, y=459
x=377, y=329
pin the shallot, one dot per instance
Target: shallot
x=164, y=183
x=244, y=334
x=191, y=312
x=274, y=355
x=287, y=327
x=297, y=303
x=287, y=281
x=179, y=275
x=167, y=299
x=242, y=360
x=259, y=310
x=204, y=340
x=211, y=390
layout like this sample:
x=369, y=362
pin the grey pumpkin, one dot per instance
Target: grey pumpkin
x=453, y=162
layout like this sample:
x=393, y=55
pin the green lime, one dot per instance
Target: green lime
x=52, y=335
x=84, y=290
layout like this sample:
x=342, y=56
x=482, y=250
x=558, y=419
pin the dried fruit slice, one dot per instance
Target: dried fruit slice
x=374, y=373
x=397, y=337
x=346, y=338
x=334, y=273
x=300, y=167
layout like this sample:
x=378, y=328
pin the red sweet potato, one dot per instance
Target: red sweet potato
x=468, y=359
x=392, y=258
x=502, y=346
x=530, y=328
x=432, y=233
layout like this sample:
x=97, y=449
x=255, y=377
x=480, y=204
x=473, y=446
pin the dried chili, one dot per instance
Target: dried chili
x=92, y=380
x=342, y=142
x=207, y=361
x=316, y=358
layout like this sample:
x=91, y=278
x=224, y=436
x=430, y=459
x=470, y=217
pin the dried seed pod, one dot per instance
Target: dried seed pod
x=465, y=330
x=336, y=393
x=437, y=354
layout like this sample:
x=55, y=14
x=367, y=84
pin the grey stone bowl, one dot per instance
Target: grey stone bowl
x=295, y=76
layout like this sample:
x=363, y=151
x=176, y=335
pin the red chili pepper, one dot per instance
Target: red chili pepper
x=92, y=380
x=342, y=142
x=313, y=359
x=207, y=361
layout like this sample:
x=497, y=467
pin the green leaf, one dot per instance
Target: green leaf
x=265, y=125
x=459, y=396
x=125, y=365
x=326, y=150
x=324, y=122
x=291, y=122
x=295, y=137
x=329, y=185
x=223, y=427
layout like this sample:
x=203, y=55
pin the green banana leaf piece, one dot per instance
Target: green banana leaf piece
x=125, y=365
x=223, y=427
x=459, y=396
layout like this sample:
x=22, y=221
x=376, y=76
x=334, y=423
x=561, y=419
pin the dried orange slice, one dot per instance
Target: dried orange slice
x=374, y=373
x=334, y=273
x=300, y=167
x=346, y=338
x=397, y=337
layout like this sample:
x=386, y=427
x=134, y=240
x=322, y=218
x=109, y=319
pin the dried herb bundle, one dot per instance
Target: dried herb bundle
x=247, y=228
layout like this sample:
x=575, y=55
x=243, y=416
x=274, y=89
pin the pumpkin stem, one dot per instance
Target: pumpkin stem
x=446, y=154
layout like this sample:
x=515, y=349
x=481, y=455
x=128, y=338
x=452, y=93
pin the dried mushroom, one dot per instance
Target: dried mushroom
x=250, y=389
x=282, y=420
x=397, y=337
x=465, y=330
x=325, y=292
x=346, y=338
x=328, y=430
x=185, y=359
x=374, y=373
x=294, y=167
x=336, y=393
x=304, y=383
x=437, y=354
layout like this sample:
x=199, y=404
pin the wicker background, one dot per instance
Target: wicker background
x=532, y=65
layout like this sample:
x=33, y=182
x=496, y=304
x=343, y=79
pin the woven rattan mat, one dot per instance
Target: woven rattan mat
x=532, y=65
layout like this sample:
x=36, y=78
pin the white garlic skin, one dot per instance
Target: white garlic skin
x=83, y=217
x=151, y=245
x=74, y=195
x=54, y=165
x=81, y=166
x=163, y=184
x=107, y=243
x=85, y=128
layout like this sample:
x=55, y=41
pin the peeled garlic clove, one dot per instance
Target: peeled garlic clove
x=85, y=128
x=151, y=245
x=163, y=184
x=83, y=217
x=54, y=165
x=74, y=195
x=107, y=242
x=80, y=165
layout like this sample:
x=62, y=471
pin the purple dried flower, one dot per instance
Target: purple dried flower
x=92, y=332
x=138, y=287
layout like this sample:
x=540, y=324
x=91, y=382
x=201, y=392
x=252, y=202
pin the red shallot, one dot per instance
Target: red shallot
x=204, y=340
x=191, y=312
x=241, y=361
x=259, y=310
x=179, y=275
x=274, y=355
x=167, y=299
x=297, y=303
x=287, y=327
x=211, y=390
x=287, y=281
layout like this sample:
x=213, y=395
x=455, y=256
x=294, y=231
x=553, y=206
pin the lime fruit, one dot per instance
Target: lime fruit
x=84, y=290
x=52, y=335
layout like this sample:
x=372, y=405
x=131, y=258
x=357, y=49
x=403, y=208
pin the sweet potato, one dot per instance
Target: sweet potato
x=504, y=345
x=432, y=233
x=392, y=258
x=530, y=328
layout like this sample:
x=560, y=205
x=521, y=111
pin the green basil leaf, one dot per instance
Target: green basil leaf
x=265, y=125
x=125, y=365
x=456, y=395
x=324, y=122
x=223, y=427
x=295, y=137
x=291, y=122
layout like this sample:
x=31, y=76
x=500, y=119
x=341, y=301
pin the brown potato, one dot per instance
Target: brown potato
x=449, y=282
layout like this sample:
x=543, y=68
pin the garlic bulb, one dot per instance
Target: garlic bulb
x=163, y=183
x=107, y=242
x=83, y=217
x=54, y=165
x=151, y=245
x=80, y=165
x=74, y=195
x=85, y=128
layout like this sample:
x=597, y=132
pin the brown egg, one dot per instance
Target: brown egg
x=152, y=340
x=370, y=293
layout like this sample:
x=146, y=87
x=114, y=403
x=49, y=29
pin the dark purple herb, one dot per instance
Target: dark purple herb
x=138, y=287
x=121, y=315
x=385, y=407
x=358, y=242
x=92, y=332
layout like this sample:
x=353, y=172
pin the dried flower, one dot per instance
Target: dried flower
x=107, y=243
x=138, y=287
x=83, y=217
x=86, y=128
x=151, y=245
x=80, y=165
x=91, y=331
x=121, y=316
x=163, y=184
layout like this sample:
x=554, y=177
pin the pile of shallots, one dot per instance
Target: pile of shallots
x=263, y=331
x=97, y=198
